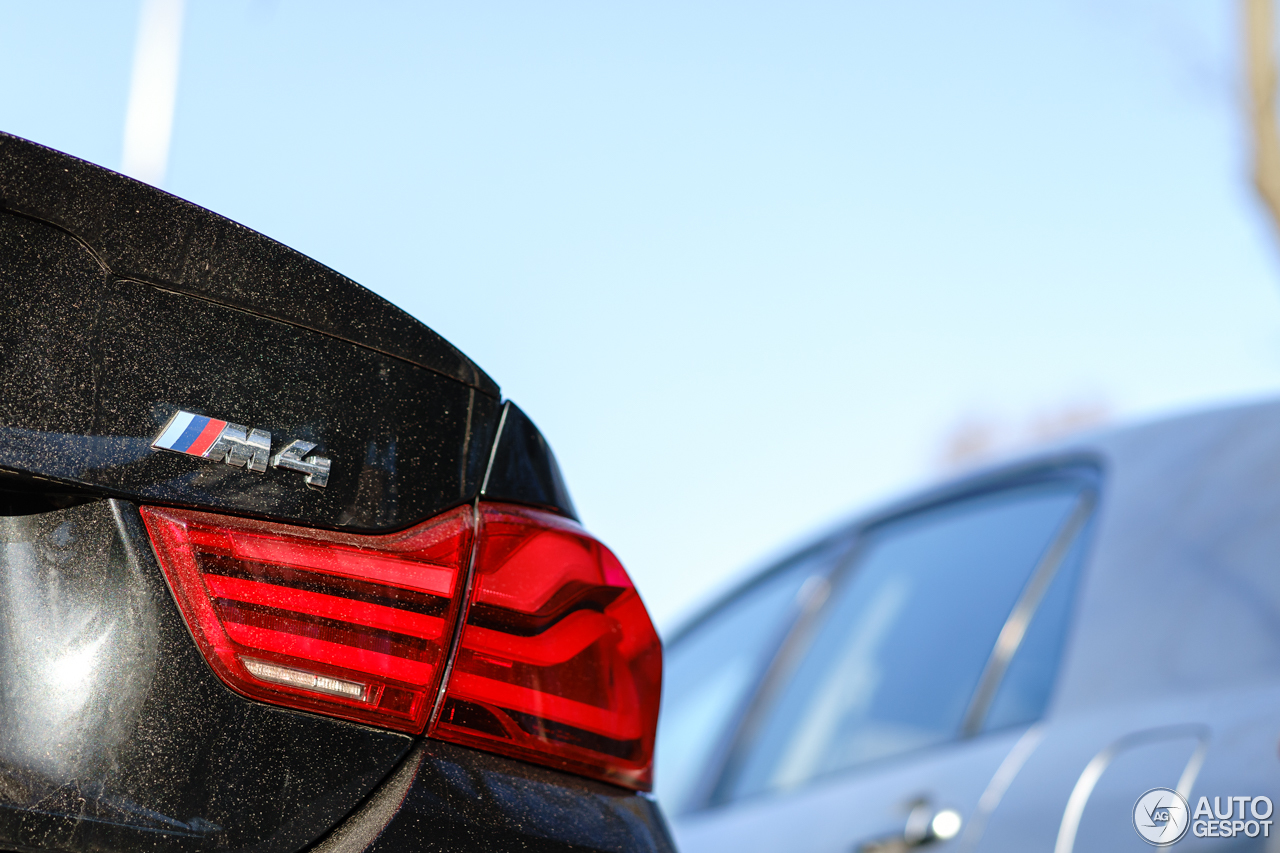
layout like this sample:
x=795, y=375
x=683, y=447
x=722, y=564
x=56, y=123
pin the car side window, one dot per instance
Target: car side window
x=1024, y=692
x=710, y=669
x=906, y=637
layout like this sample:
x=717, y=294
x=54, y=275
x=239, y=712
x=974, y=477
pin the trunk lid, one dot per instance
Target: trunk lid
x=125, y=307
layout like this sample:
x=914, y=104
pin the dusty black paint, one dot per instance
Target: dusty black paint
x=92, y=366
x=524, y=470
x=463, y=800
x=137, y=231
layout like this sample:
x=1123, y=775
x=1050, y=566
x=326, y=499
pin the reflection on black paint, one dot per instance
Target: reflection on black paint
x=114, y=733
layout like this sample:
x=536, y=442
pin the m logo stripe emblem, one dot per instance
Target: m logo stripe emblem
x=240, y=447
x=189, y=433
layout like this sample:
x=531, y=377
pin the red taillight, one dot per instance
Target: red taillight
x=352, y=626
x=558, y=662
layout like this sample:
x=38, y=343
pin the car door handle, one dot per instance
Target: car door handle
x=924, y=826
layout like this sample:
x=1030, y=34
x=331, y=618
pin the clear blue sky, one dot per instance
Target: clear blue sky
x=746, y=264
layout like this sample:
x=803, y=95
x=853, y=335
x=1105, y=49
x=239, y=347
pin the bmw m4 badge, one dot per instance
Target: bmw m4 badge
x=239, y=446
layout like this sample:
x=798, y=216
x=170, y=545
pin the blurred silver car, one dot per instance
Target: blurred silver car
x=1079, y=651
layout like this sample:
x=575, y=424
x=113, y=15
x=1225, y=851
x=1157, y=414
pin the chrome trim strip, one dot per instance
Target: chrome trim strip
x=493, y=451
x=1015, y=627
x=999, y=785
x=1098, y=764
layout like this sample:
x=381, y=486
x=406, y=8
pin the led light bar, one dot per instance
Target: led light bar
x=311, y=681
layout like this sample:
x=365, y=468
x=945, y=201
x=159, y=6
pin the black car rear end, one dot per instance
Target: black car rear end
x=280, y=569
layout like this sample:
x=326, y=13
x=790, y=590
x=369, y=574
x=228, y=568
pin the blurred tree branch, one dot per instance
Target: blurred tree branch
x=1260, y=65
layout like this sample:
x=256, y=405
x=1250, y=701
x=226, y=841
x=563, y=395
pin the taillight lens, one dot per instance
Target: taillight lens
x=558, y=662
x=352, y=626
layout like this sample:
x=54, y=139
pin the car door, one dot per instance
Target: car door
x=916, y=686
